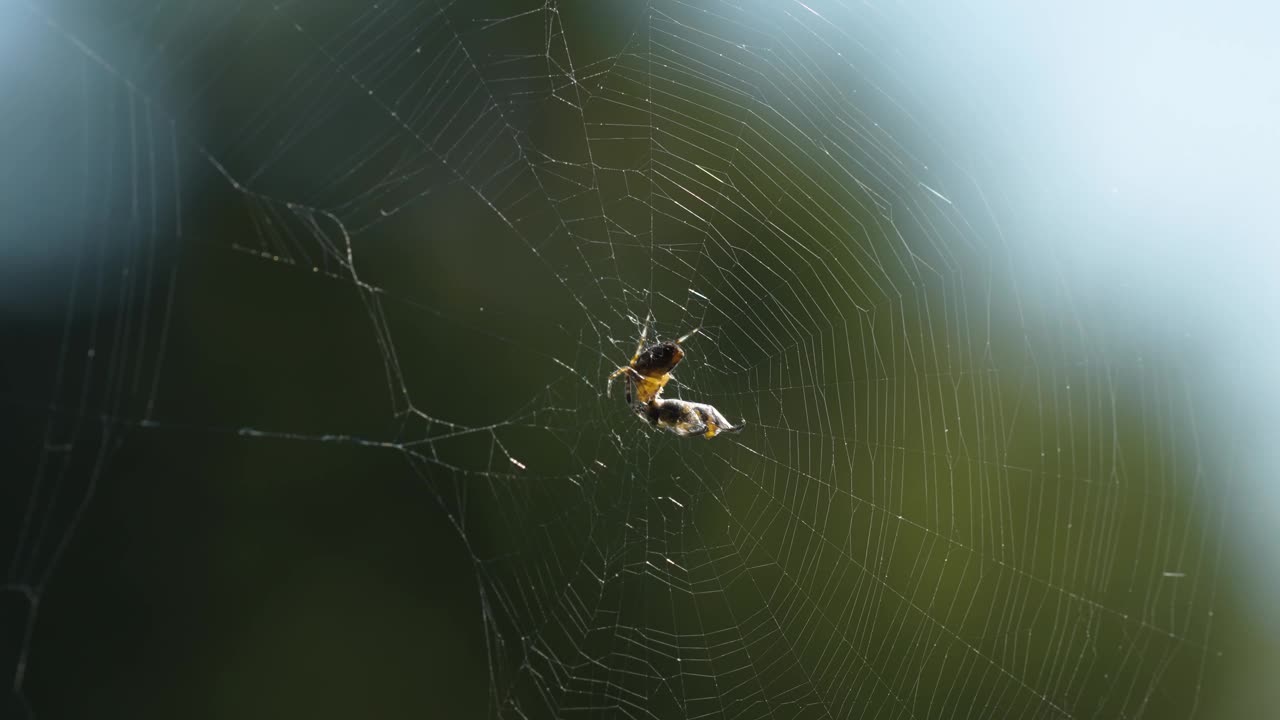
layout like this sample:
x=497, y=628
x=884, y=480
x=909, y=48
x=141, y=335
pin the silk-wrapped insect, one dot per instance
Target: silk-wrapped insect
x=686, y=418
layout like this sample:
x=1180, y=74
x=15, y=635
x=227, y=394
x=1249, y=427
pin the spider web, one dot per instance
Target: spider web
x=400, y=245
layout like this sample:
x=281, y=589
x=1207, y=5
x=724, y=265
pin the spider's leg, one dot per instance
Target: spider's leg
x=608, y=388
x=644, y=334
x=680, y=340
x=631, y=380
x=631, y=388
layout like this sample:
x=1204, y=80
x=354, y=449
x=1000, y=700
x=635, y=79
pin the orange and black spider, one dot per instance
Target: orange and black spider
x=650, y=368
x=648, y=372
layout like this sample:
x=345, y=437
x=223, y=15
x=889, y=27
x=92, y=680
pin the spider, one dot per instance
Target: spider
x=687, y=418
x=648, y=372
x=650, y=368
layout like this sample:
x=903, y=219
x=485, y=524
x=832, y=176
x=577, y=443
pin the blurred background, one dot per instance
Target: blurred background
x=307, y=311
